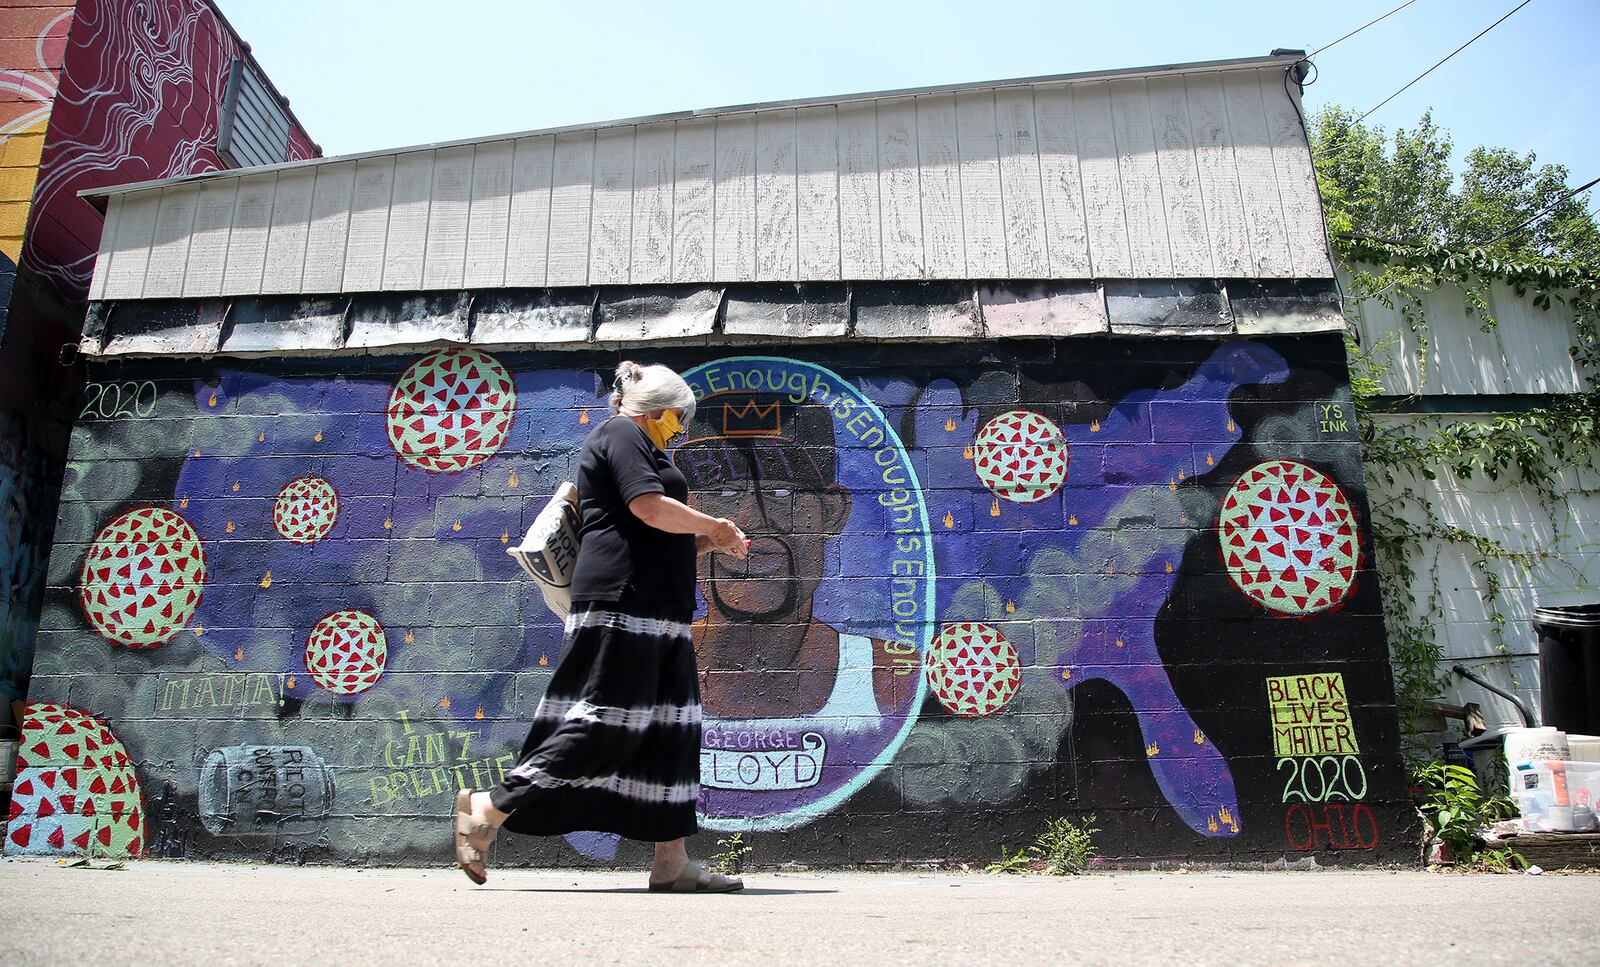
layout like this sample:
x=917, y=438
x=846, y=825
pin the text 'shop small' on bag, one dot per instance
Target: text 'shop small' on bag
x=549, y=551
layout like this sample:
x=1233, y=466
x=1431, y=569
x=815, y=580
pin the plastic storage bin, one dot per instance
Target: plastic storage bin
x=1557, y=795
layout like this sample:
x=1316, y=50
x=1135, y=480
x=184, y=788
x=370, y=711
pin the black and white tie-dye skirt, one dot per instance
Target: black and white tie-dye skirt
x=615, y=742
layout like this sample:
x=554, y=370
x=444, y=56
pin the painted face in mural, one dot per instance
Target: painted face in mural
x=768, y=465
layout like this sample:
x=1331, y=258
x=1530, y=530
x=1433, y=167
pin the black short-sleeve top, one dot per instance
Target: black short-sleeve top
x=619, y=555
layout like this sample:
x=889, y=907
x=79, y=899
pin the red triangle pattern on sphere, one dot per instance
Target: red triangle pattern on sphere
x=306, y=510
x=1288, y=538
x=347, y=652
x=1021, y=456
x=73, y=774
x=972, y=669
x=451, y=410
x=141, y=577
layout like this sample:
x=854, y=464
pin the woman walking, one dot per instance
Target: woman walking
x=615, y=742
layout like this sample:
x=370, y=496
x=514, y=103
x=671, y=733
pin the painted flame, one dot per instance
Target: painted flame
x=266, y=581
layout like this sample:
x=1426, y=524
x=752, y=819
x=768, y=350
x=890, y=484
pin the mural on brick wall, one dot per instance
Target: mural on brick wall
x=1069, y=578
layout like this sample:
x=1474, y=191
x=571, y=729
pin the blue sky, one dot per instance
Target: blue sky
x=365, y=74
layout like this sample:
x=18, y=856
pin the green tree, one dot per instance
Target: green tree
x=1400, y=189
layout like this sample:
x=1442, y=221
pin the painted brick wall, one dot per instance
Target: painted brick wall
x=991, y=584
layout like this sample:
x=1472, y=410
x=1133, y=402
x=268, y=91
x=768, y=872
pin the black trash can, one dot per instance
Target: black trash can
x=1569, y=667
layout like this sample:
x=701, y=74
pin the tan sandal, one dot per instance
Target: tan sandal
x=468, y=829
x=689, y=882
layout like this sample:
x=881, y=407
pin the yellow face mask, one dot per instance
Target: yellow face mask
x=665, y=429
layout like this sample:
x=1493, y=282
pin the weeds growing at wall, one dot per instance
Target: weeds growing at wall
x=1018, y=861
x=1456, y=811
x=1066, y=847
x=732, y=854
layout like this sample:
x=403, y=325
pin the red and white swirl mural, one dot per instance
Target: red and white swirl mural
x=140, y=97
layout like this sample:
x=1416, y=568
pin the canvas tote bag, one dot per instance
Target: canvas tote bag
x=549, y=551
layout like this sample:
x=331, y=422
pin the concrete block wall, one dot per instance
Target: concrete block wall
x=992, y=583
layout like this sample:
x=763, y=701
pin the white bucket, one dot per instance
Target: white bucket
x=1534, y=745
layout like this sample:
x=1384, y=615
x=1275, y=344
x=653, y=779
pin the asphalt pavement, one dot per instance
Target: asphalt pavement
x=212, y=914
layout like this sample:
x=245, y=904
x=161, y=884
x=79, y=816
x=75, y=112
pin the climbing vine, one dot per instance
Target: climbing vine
x=1531, y=447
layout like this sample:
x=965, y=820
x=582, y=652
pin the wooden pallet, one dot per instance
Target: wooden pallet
x=1555, y=851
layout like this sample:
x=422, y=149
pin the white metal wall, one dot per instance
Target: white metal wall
x=1526, y=352
x=1173, y=175
x=1566, y=530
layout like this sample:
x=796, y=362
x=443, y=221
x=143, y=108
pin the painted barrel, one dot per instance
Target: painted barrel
x=264, y=790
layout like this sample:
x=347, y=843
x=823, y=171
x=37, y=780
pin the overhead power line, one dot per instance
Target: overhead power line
x=1542, y=213
x=1435, y=67
x=1361, y=28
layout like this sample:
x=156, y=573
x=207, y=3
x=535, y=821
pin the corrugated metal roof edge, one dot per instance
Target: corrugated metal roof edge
x=710, y=314
x=1239, y=63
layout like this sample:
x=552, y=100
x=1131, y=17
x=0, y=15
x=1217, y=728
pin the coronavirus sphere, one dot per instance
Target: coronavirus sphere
x=346, y=652
x=142, y=577
x=76, y=790
x=451, y=410
x=306, y=510
x=1021, y=456
x=1289, y=537
x=972, y=669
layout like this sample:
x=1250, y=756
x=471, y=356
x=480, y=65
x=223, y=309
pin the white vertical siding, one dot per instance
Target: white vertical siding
x=1189, y=174
x=369, y=224
x=528, y=214
x=571, y=210
x=287, y=235
x=611, y=247
x=733, y=257
x=329, y=230
x=900, y=189
x=860, y=215
x=817, y=192
x=1066, y=230
x=406, y=241
x=651, y=257
x=444, y=256
x=208, y=245
x=694, y=159
x=1021, y=184
x=488, y=215
x=169, y=252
